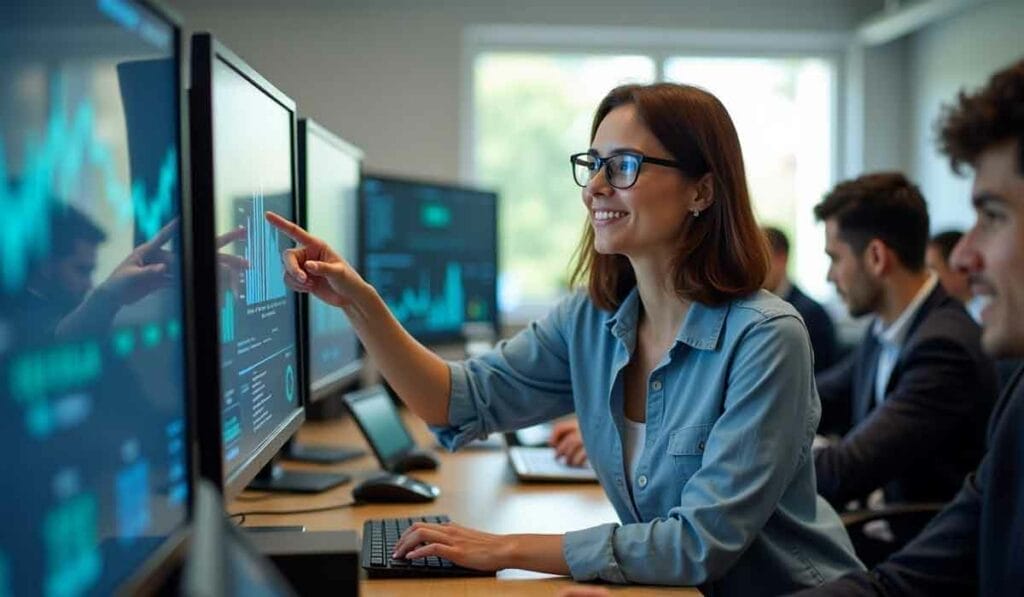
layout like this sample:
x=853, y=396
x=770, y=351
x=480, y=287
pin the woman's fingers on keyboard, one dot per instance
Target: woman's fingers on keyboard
x=418, y=534
x=433, y=549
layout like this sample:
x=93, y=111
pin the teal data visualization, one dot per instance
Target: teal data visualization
x=259, y=346
x=92, y=355
x=431, y=252
x=264, y=278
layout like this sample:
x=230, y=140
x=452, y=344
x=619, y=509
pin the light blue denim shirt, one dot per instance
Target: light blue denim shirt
x=724, y=492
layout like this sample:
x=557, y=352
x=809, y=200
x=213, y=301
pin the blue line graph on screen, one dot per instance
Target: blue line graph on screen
x=55, y=165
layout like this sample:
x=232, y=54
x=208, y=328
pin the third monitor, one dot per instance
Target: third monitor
x=431, y=251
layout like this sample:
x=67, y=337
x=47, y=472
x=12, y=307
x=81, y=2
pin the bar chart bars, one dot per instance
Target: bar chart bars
x=227, y=319
x=264, y=278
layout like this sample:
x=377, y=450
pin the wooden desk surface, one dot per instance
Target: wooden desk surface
x=478, y=490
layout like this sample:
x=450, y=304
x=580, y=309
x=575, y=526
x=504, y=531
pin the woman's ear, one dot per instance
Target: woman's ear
x=705, y=195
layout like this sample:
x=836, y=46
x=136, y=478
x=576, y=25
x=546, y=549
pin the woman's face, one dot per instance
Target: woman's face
x=644, y=220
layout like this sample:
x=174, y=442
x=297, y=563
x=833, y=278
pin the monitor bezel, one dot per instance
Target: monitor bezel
x=345, y=378
x=438, y=337
x=153, y=574
x=206, y=50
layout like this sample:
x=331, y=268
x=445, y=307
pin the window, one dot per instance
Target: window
x=782, y=111
x=531, y=112
x=532, y=109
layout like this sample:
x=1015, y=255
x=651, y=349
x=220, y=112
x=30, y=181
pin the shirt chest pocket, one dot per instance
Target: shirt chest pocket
x=686, y=449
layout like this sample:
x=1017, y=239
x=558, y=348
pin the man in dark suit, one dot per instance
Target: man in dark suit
x=911, y=402
x=976, y=544
x=819, y=324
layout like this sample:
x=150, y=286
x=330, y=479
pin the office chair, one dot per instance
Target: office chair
x=905, y=521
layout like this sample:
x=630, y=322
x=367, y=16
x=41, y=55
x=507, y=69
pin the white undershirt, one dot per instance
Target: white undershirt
x=633, y=447
x=891, y=338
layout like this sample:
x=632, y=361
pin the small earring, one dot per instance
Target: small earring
x=696, y=212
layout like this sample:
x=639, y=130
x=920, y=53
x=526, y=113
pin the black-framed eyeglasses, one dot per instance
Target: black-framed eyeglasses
x=621, y=169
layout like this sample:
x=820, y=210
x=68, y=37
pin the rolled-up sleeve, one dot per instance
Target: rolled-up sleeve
x=752, y=454
x=521, y=382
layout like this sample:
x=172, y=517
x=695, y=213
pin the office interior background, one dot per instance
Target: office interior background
x=486, y=94
x=497, y=94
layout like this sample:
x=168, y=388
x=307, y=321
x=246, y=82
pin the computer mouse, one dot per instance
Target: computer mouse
x=394, y=488
x=414, y=460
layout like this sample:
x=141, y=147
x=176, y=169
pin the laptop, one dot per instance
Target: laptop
x=534, y=463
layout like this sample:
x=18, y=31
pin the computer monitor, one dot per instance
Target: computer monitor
x=329, y=170
x=94, y=365
x=243, y=135
x=431, y=251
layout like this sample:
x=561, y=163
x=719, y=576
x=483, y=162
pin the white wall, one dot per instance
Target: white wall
x=385, y=75
x=942, y=59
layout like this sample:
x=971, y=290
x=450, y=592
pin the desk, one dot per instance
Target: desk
x=478, y=490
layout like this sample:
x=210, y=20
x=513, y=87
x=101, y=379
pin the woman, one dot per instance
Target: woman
x=694, y=390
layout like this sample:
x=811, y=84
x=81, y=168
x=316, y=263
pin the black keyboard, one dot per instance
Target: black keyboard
x=379, y=539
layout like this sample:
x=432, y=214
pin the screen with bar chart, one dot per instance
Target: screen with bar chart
x=330, y=169
x=430, y=250
x=93, y=384
x=253, y=174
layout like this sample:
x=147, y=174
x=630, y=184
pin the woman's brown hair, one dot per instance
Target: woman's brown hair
x=722, y=254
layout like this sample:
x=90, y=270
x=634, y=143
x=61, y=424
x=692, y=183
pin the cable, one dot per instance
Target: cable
x=259, y=497
x=243, y=515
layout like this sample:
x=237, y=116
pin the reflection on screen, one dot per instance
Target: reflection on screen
x=332, y=186
x=92, y=383
x=430, y=252
x=378, y=417
x=252, y=147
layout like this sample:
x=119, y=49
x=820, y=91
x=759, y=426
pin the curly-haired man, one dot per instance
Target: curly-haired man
x=976, y=544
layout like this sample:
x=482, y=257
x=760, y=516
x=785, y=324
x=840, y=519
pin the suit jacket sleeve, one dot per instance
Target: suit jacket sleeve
x=942, y=560
x=934, y=393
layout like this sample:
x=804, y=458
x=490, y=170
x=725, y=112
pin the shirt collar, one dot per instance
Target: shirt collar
x=701, y=328
x=896, y=333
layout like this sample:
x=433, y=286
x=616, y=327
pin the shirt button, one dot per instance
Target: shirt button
x=656, y=386
x=700, y=446
x=642, y=481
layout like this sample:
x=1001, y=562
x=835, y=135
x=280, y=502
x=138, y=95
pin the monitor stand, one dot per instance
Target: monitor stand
x=273, y=477
x=320, y=454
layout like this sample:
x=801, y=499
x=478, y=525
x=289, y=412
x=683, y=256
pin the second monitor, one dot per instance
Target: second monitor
x=329, y=171
x=329, y=184
x=243, y=133
x=431, y=250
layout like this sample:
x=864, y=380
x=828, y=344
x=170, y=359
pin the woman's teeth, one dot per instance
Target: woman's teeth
x=605, y=215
